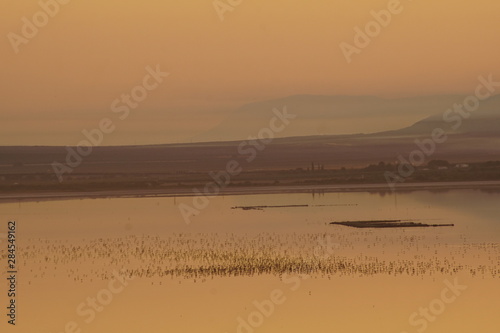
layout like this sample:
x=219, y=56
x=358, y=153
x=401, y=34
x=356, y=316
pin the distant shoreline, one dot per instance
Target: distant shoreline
x=254, y=190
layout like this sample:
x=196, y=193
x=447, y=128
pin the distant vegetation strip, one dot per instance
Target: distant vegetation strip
x=182, y=181
x=287, y=206
x=388, y=224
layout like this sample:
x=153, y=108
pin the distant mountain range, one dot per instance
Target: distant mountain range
x=341, y=115
x=486, y=119
x=476, y=139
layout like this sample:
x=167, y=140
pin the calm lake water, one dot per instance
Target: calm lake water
x=274, y=269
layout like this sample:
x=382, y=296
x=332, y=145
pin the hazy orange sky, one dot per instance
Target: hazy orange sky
x=66, y=77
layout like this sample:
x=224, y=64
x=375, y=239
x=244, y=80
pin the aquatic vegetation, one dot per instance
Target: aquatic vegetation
x=202, y=256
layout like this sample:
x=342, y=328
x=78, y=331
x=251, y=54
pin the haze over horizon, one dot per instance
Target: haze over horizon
x=65, y=78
